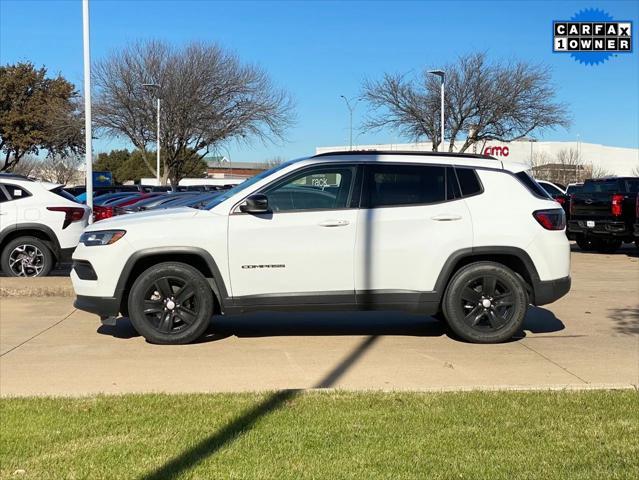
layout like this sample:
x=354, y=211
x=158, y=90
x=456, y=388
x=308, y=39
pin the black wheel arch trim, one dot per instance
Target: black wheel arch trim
x=217, y=282
x=11, y=231
x=447, y=270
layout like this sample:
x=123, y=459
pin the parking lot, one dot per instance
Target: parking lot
x=588, y=339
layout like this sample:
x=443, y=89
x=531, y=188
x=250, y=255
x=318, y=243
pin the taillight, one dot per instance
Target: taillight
x=571, y=208
x=100, y=213
x=71, y=214
x=617, y=204
x=560, y=200
x=553, y=219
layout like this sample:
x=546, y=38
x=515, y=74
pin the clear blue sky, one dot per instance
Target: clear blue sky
x=320, y=50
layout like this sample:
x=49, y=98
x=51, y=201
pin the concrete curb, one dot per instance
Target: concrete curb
x=36, y=287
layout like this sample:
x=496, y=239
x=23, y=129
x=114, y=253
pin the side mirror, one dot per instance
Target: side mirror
x=256, y=203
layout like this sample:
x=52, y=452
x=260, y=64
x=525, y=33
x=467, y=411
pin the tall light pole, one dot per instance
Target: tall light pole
x=351, y=108
x=87, y=105
x=441, y=74
x=156, y=88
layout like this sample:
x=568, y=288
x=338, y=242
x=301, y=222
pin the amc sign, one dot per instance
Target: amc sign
x=497, y=151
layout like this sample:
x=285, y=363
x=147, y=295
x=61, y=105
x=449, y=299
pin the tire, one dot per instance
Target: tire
x=503, y=313
x=637, y=242
x=179, y=304
x=584, y=242
x=607, y=245
x=26, y=257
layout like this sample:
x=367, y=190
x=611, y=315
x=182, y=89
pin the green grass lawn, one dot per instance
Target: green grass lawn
x=293, y=435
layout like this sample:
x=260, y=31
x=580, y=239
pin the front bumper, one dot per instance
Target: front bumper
x=103, y=306
x=552, y=290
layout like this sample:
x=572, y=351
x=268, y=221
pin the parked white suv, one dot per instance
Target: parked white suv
x=464, y=236
x=40, y=225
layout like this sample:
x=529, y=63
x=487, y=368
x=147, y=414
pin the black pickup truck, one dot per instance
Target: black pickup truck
x=603, y=213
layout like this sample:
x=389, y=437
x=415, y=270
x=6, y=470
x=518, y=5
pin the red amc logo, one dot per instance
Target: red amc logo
x=497, y=151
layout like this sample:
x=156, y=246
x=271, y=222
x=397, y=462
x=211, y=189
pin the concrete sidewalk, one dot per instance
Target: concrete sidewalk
x=589, y=339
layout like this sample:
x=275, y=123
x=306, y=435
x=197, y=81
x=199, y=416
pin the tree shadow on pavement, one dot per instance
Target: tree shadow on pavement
x=627, y=320
x=236, y=428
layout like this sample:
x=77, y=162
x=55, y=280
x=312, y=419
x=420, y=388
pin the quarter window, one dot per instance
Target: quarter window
x=326, y=188
x=15, y=192
x=468, y=181
x=390, y=185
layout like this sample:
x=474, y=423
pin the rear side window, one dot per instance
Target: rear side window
x=3, y=196
x=468, y=181
x=392, y=185
x=531, y=184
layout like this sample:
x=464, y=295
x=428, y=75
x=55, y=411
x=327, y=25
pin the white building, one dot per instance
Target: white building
x=615, y=160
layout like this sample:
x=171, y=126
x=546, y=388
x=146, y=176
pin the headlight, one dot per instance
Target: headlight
x=101, y=237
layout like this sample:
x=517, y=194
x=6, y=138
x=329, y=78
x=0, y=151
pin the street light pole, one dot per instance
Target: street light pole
x=441, y=74
x=87, y=105
x=350, y=110
x=156, y=87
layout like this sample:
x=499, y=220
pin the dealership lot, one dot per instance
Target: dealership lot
x=590, y=338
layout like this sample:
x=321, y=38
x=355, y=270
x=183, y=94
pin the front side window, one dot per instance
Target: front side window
x=391, y=185
x=325, y=188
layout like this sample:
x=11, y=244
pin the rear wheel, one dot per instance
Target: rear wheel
x=485, y=302
x=171, y=303
x=26, y=257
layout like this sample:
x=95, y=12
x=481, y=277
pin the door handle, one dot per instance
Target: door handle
x=445, y=217
x=334, y=223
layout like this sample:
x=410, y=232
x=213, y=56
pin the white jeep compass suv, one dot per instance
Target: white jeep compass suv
x=463, y=236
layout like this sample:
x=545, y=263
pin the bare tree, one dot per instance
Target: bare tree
x=208, y=97
x=28, y=166
x=595, y=171
x=60, y=169
x=484, y=101
x=635, y=171
x=274, y=161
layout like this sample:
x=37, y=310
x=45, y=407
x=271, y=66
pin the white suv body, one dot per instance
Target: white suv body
x=350, y=230
x=39, y=225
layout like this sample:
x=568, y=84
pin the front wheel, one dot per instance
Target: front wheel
x=171, y=303
x=485, y=302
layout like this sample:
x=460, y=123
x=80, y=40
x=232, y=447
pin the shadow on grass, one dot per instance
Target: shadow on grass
x=211, y=444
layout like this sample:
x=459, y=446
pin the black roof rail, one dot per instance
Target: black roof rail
x=405, y=152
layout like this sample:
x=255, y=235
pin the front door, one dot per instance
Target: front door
x=302, y=250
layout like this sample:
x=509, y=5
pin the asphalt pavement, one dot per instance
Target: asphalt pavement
x=588, y=339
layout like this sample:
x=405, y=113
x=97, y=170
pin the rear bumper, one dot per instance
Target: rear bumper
x=102, y=306
x=636, y=232
x=552, y=290
x=601, y=228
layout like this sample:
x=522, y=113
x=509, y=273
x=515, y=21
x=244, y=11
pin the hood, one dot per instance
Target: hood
x=151, y=216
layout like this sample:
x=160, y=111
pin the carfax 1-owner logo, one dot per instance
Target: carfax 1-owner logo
x=592, y=36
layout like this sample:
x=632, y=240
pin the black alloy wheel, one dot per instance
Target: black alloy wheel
x=171, y=303
x=485, y=302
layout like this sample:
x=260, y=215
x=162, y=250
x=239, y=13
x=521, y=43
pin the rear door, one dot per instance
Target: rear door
x=412, y=219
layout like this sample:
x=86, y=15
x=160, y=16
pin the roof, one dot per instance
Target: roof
x=405, y=152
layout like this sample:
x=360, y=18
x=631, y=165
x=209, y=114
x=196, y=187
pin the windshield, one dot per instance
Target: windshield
x=247, y=183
